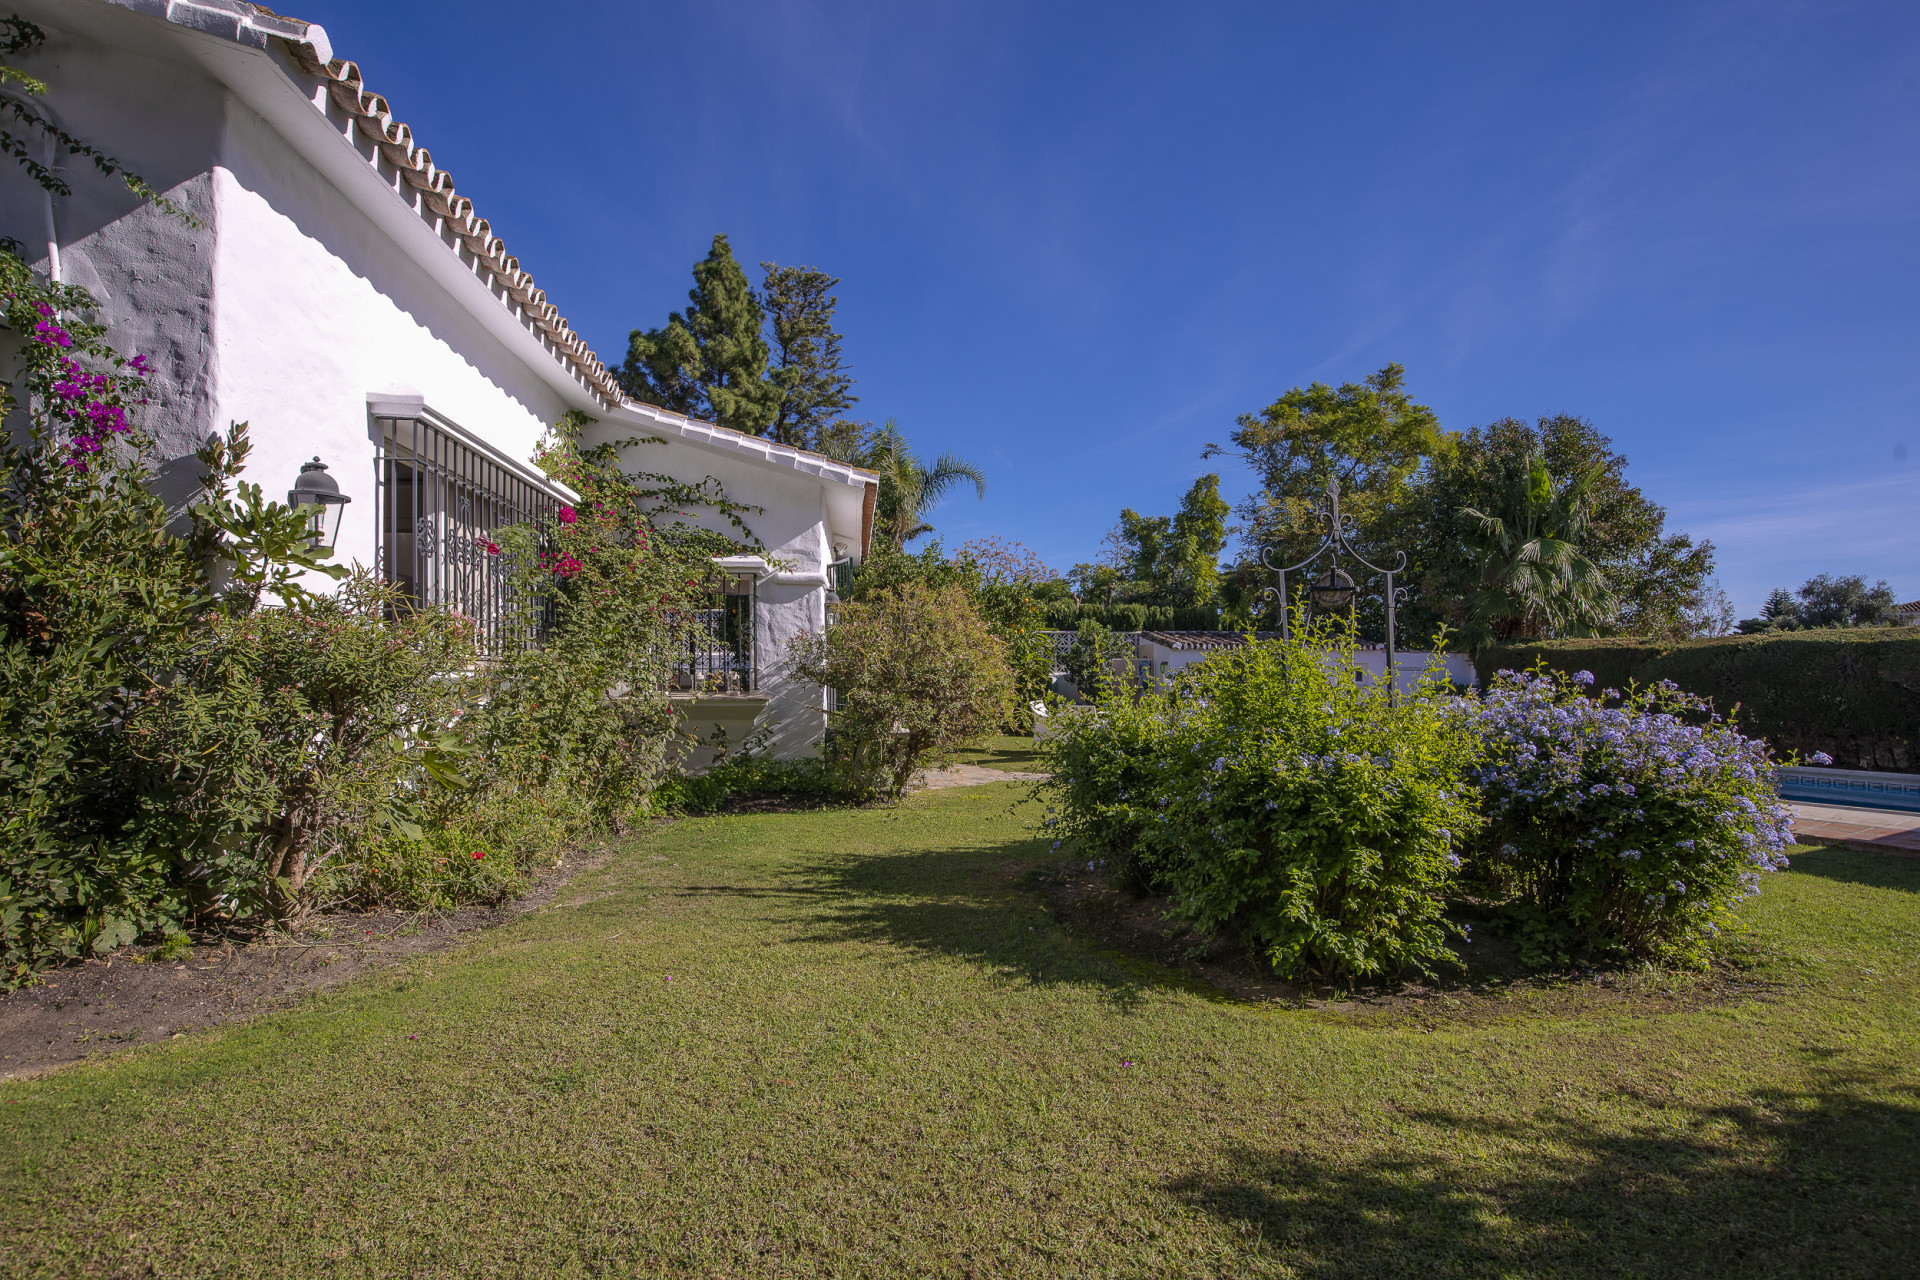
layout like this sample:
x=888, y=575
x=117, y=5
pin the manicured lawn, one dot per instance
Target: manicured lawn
x=852, y=1044
x=1003, y=752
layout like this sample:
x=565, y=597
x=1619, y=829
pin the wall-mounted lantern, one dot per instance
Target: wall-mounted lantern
x=316, y=489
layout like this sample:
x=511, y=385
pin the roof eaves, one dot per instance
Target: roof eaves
x=803, y=460
x=311, y=50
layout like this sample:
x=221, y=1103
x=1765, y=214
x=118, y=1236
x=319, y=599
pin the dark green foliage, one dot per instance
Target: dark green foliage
x=1274, y=797
x=1100, y=661
x=1067, y=615
x=1370, y=436
x=1659, y=582
x=815, y=387
x=1171, y=561
x=917, y=672
x=1852, y=693
x=710, y=361
x=1826, y=601
x=1526, y=539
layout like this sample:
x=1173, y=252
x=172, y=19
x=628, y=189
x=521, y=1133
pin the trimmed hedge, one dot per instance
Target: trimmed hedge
x=1853, y=693
x=1067, y=616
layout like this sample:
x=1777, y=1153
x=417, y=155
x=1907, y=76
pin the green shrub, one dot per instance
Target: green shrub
x=186, y=732
x=918, y=672
x=1275, y=796
x=1092, y=661
x=1853, y=693
x=439, y=868
x=1613, y=825
x=287, y=737
x=101, y=608
x=804, y=782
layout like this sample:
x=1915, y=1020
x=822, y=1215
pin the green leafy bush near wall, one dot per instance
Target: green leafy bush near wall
x=1853, y=693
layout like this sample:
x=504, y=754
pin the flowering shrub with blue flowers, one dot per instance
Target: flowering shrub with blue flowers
x=1631, y=823
x=1274, y=795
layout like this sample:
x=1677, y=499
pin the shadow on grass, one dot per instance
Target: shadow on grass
x=965, y=903
x=1813, y=1182
x=1857, y=866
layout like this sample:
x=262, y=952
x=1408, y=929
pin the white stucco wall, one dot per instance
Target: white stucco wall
x=314, y=309
x=792, y=525
x=150, y=273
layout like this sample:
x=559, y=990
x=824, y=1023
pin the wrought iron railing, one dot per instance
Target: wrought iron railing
x=442, y=497
x=718, y=656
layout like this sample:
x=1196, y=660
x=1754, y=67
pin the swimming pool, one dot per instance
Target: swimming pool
x=1855, y=788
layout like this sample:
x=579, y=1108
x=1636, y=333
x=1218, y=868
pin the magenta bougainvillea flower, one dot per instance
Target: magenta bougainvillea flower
x=568, y=515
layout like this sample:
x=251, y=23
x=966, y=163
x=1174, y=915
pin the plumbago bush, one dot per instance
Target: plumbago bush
x=1275, y=796
x=1628, y=823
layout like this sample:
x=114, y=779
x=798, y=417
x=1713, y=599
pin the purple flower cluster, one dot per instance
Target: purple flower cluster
x=1633, y=817
x=88, y=404
x=47, y=332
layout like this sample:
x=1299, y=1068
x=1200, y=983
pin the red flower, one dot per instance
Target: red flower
x=478, y=854
x=568, y=515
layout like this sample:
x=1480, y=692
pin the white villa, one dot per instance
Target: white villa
x=342, y=298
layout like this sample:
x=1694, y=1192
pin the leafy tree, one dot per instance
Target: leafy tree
x=1162, y=560
x=815, y=387
x=1846, y=602
x=711, y=360
x=1534, y=578
x=1370, y=436
x=918, y=672
x=1781, y=612
x=1660, y=581
x=1827, y=601
x=1003, y=563
x=1091, y=662
x=1014, y=589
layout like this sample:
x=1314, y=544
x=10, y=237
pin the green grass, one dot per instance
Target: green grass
x=877, y=1056
x=1003, y=751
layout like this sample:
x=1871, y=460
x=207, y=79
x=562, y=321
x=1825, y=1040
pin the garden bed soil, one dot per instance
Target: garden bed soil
x=1488, y=983
x=133, y=996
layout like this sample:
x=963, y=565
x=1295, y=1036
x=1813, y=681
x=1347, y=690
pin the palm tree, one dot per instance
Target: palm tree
x=909, y=488
x=1534, y=579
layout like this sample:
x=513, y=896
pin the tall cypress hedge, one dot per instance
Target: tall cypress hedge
x=1852, y=693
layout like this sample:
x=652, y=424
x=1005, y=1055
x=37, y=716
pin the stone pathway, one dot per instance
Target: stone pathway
x=1882, y=830
x=966, y=775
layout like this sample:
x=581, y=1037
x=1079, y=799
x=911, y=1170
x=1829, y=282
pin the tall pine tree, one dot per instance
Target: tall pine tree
x=711, y=360
x=815, y=387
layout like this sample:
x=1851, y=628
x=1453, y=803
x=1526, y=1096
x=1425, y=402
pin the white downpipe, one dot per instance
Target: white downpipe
x=46, y=207
x=51, y=150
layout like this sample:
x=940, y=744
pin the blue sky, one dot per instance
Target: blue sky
x=1077, y=240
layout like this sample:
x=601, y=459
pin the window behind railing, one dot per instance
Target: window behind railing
x=442, y=498
x=719, y=652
